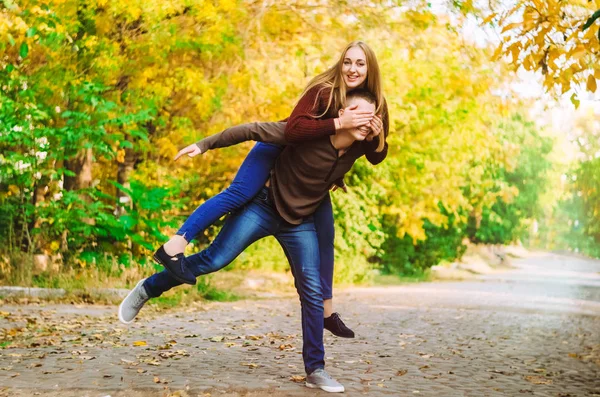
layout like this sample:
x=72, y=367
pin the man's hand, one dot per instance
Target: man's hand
x=191, y=151
x=336, y=187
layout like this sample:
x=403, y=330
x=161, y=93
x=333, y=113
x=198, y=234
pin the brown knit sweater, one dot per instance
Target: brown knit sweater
x=304, y=171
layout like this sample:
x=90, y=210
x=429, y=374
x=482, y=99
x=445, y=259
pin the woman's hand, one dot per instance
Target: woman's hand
x=376, y=126
x=191, y=151
x=352, y=118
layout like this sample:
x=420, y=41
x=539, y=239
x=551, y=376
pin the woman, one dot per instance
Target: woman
x=284, y=208
x=356, y=68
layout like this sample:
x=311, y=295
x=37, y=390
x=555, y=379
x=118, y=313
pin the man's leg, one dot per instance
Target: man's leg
x=250, y=178
x=301, y=248
x=240, y=230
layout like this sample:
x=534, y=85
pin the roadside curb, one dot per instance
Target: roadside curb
x=57, y=293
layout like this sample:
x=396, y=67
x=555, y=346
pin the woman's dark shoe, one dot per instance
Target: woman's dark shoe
x=175, y=266
x=337, y=327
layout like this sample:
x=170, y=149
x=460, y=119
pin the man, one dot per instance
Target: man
x=300, y=179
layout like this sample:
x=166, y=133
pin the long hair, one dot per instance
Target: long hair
x=333, y=79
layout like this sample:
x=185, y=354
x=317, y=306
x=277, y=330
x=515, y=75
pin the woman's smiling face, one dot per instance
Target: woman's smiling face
x=354, y=69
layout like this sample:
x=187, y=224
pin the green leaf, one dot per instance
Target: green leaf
x=24, y=50
x=11, y=39
x=591, y=20
x=575, y=101
x=31, y=32
x=10, y=68
x=126, y=144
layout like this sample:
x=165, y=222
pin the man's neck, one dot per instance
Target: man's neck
x=342, y=140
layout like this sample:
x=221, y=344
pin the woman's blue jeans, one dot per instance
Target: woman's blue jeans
x=250, y=178
x=257, y=220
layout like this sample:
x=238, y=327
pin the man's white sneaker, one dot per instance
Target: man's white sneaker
x=320, y=379
x=133, y=303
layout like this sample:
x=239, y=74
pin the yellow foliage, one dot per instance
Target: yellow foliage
x=547, y=36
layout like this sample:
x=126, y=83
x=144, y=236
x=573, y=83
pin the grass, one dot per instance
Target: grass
x=78, y=281
x=393, y=279
x=204, y=290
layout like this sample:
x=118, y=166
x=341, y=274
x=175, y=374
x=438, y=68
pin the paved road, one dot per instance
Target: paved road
x=532, y=331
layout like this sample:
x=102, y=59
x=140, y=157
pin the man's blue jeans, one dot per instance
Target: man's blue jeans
x=256, y=220
x=250, y=178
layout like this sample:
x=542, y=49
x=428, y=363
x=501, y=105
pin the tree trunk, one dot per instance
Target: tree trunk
x=81, y=166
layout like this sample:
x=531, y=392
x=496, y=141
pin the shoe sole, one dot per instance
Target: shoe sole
x=339, y=336
x=121, y=319
x=329, y=389
x=172, y=273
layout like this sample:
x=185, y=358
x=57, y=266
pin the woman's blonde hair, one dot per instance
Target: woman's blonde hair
x=333, y=79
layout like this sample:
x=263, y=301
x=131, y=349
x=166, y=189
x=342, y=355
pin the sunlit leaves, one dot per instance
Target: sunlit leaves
x=561, y=39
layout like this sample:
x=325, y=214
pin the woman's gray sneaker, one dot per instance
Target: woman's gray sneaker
x=320, y=379
x=133, y=303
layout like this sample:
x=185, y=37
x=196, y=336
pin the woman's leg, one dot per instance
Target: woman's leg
x=325, y=233
x=251, y=176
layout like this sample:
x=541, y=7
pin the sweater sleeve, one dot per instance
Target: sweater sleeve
x=372, y=155
x=259, y=132
x=302, y=125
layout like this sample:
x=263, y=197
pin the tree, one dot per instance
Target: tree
x=559, y=38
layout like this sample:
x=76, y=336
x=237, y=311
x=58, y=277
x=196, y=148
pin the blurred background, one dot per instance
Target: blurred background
x=494, y=136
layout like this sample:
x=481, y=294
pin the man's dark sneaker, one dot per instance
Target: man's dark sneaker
x=337, y=327
x=175, y=266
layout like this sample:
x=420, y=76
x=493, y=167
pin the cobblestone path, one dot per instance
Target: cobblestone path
x=532, y=331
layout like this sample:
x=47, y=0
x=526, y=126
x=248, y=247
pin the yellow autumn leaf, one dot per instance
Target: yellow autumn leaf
x=121, y=156
x=140, y=343
x=510, y=26
x=591, y=83
x=489, y=18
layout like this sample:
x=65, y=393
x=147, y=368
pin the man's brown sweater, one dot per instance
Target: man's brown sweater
x=304, y=171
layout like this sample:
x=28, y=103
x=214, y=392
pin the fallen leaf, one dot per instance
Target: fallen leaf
x=501, y=372
x=297, y=378
x=154, y=362
x=216, y=339
x=140, y=343
x=286, y=346
x=401, y=372
x=141, y=371
x=538, y=380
